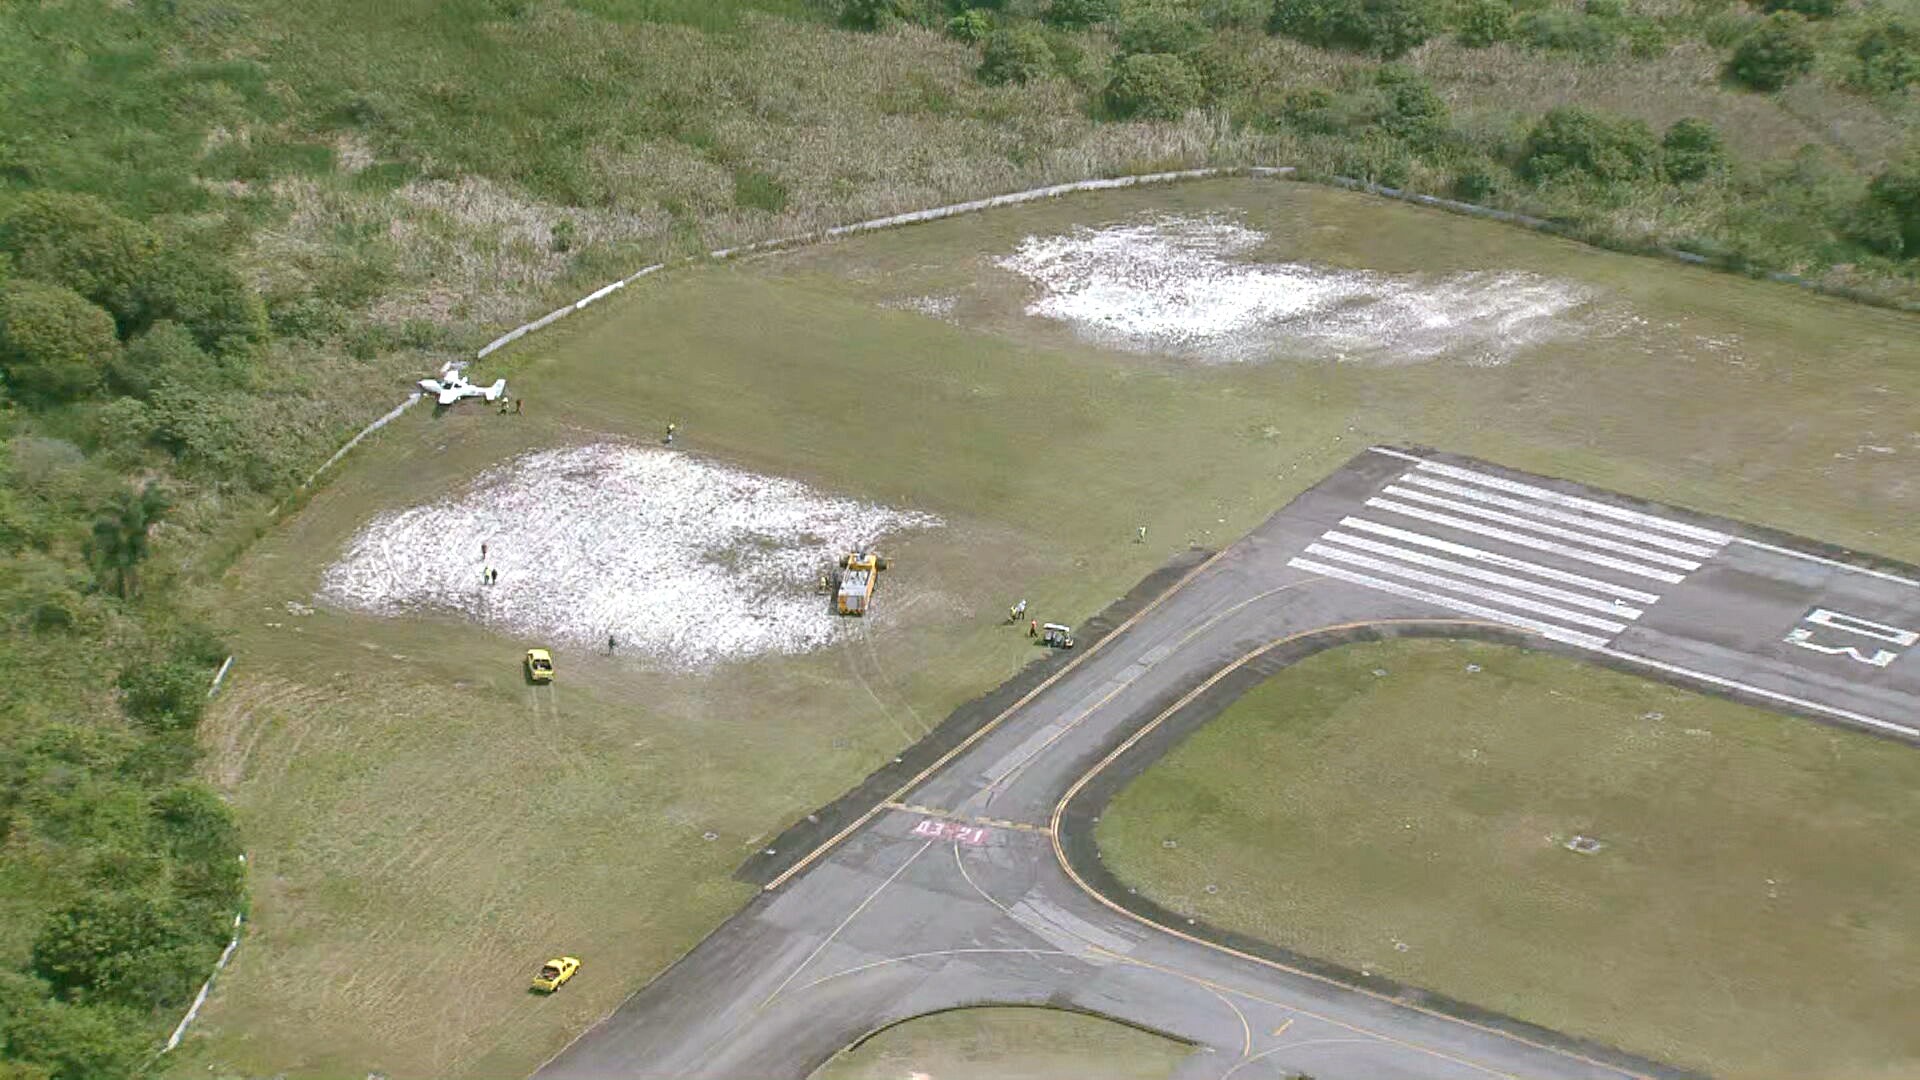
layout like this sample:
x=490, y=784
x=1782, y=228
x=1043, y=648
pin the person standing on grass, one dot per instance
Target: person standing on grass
x=609, y=644
x=1033, y=628
x=516, y=406
x=671, y=428
x=483, y=552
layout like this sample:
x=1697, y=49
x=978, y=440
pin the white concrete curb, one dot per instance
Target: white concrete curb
x=200, y=999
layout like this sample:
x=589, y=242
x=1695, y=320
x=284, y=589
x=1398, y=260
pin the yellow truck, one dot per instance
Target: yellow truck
x=859, y=573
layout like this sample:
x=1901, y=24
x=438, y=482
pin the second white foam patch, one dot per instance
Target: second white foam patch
x=1185, y=285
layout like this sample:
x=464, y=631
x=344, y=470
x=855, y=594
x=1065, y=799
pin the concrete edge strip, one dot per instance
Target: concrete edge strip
x=193, y=1011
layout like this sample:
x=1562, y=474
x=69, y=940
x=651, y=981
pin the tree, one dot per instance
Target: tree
x=1893, y=200
x=1076, y=14
x=1484, y=22
x=1153, y=86
x=78, y=241
x=1573, y=141
x=1775, y=53
x=1015, y=55
x=1157, y=28
x=1887, y=57
x=1413, y=112
x=120, y=537
x=164, y=694
x=165, y=355
x=206, y=296
x=55, y=344
x=1691, y=150
x=1812, y=9
x=51, y=1040
x=1388, y=28
x=122, y=948
x=971, y=26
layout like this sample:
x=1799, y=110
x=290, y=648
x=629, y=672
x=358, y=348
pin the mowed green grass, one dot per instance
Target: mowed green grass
x=424, y=831
x=1385, y=807
x=1007, y=1044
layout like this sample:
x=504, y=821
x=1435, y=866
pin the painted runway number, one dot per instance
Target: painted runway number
x=948, y=830
x=1826, y=632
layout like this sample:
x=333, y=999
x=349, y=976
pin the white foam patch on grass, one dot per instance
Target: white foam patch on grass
x=1188, y=286
x=688, y=563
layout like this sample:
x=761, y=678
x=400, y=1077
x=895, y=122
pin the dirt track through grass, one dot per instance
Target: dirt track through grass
x=404, y=792
x=1391, y=808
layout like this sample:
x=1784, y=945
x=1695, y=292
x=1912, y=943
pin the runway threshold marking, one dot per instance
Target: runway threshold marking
x=1060, y=855
x=965, y=744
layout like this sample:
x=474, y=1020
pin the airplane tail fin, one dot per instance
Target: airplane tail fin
x=493, y=392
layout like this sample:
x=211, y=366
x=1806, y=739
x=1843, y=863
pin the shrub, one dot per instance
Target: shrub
x=1483, y=22
x=1691, y=150
x=1571, y=141
x=1412, y=110
x=1081, y=13
x=1388, y=28
x=1225, y=68
x=55, y=344
x=124, y=949
x=1154, y=86
x=165, y=355
x=971, y=26
x=1567, y=31
x=1812, y=9
x=1159, y=29
x=1234, y=14
x=1016, y=55
x=77, y=241
x=204, y=294
x=165, y=695
x=1775, y=53
x=1886, y=57
x=1893, y=204
x=65, y=1042
x=876, y=14
x=1475, y=185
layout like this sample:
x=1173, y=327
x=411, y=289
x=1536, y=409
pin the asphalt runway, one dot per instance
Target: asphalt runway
x=975, y=883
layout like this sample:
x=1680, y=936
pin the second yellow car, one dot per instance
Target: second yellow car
x=555, y=973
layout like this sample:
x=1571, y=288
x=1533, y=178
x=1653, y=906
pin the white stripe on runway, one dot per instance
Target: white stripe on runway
x=1844, y=714
x=1585, y=521
x=1525, y=541
x=1592, y=603
x=1607, y=510
x=1517, y=521
x=1546, y=630
x=1490, y=595
x=1497, y=559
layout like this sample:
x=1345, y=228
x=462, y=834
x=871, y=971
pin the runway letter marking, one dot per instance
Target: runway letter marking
x=1803, y=636
x=948, y=830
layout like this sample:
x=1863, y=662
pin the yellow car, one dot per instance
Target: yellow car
x=539, y=665
x=555, y=973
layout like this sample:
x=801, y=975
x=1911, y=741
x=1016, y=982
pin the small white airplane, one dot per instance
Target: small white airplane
x=452, y=385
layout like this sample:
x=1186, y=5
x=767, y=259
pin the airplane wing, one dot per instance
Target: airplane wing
x=451, y=394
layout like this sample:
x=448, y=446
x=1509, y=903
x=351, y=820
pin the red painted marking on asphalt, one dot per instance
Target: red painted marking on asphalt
x=951, y=830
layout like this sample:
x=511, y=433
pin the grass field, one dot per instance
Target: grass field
x=1006, y=1044
x=1747, y=916
x=425, y=831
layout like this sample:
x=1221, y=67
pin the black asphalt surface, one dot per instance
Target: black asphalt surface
x=972, y=881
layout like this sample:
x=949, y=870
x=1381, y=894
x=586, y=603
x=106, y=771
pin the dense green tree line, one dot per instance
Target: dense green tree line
x=112, y=336
x=1160, y=59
